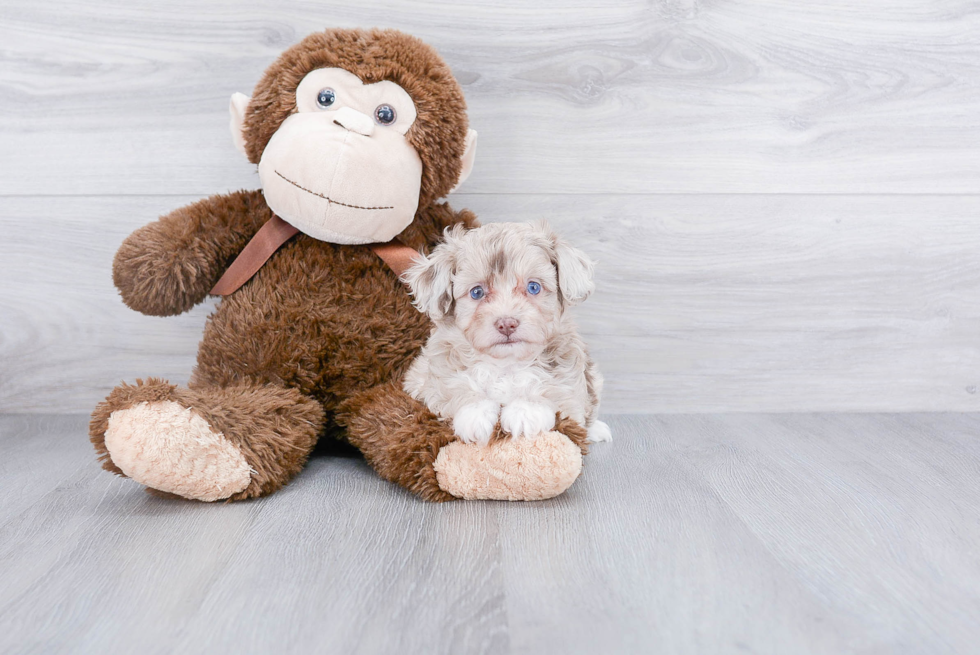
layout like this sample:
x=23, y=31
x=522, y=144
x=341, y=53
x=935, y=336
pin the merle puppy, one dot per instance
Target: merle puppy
x=503, y=347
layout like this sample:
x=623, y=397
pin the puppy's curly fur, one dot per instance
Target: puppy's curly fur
x=503, y=346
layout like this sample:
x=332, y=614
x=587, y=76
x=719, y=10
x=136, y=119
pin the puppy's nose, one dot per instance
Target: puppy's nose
x=507, y=326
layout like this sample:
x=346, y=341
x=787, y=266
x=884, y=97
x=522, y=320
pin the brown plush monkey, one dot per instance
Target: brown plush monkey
x=356, y=135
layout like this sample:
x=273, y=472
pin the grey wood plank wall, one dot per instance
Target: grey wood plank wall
x=783, y=197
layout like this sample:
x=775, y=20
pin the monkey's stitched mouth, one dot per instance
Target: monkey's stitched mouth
x=320, y=195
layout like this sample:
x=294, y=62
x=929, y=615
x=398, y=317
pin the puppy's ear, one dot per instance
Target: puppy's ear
x=575, y=269
x=431, y=278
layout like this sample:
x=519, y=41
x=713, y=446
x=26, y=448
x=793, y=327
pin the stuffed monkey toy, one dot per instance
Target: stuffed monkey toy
x=357, y=134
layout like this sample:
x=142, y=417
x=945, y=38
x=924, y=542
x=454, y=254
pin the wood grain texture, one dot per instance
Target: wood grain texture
x=713, y=303
x=669, y=96
x=719, y=534
x=639, y=128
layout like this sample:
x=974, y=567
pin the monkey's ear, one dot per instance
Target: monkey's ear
x=237, y=107
x=469, y=155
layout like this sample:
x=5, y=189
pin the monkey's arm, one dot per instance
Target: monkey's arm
x=168, y=266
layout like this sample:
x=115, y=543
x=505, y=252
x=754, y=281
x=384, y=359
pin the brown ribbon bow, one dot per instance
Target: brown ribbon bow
x=276, y=232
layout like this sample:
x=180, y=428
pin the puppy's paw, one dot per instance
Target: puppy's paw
x=599, y=432
x=474, y=423
x=526, y=419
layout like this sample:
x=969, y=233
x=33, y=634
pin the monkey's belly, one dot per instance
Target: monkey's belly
x=328, y=340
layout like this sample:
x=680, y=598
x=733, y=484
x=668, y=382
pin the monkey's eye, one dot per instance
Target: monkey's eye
x=325, y=97
x=384, y=114
x=533, y=288
x=477, y=292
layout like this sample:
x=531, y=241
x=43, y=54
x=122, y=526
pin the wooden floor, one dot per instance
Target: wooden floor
x=822, y=533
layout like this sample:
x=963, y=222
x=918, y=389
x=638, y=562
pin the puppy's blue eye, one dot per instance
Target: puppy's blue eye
x=533, y=288
x=325, y=97
x=477, y=293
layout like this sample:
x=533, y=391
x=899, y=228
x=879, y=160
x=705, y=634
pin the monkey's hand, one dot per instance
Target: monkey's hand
x=168, y=266
x=158, y=276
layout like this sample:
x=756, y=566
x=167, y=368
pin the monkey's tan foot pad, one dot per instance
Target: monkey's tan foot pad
x=169, y=448
x=512, y=469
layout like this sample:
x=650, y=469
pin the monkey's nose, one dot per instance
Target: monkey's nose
x=507, y=326
x=353, y=120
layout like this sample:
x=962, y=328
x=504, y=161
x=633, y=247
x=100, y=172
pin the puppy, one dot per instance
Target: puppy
x=503, y=346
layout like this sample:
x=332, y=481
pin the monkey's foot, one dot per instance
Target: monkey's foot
x=167, y=447
x=206, y=443
x=509, y=469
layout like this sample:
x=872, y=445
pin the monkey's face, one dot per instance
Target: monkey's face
x=352, y=130
x=340, y=169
